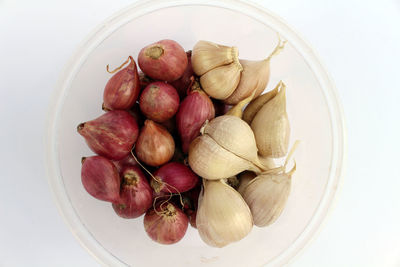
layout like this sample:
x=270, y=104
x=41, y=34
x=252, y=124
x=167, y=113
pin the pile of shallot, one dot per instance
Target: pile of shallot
x=190, y=139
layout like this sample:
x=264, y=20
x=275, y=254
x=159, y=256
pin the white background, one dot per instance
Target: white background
x=359, y=42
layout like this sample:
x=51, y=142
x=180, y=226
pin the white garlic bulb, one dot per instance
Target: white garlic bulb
x=223, y=216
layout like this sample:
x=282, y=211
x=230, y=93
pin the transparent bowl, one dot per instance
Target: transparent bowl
x=313, y=108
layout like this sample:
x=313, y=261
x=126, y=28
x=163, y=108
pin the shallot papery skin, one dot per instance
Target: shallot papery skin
x=194, y=110
x=166, y=226
x=136, y=195
x=111, y=135
x=164, y=60
x=155, y=145
x=100, y=178
x=159, y=101
x=174, y=177
x=122, y=90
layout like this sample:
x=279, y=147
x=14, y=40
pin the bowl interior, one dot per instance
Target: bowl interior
x=125, y=241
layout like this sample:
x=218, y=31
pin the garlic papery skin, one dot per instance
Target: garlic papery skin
x=233, y=134
x=266, y=195
x=223, y=216
x=213, y=162
x=267, y=162
x=255, y=76
x=271, y=127
x=208, y=55
x=220, y=82
x=257, y=103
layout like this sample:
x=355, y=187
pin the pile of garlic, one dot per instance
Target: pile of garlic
x=225, y=77
x=240, y=143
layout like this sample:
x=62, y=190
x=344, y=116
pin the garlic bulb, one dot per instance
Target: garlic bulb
x=267, y=195
x=207, y=56
x=244, y=179
x=220, y=82
x=223, y=216
x=271, y=126
x=235, y=135
x=256, y=104
x=255, y=76
x=211, y=161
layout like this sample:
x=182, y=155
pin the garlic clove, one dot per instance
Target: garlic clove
x=220, y=82
x=255, y=77
x=207, y=56
x=244, y=179
x=257, y=103
x=271, y=127
x=223, y=216
x=211, y=161
x=233, y=134
x=266, y=196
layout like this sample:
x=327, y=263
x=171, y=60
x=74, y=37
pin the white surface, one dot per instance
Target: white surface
x=95, y=224
x=359, y=42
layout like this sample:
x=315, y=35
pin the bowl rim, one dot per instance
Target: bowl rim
x=120, y=18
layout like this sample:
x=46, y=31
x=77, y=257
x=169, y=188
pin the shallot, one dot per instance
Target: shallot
x=123, y=88
x=159, y=101
x=111, y=135
x=194, y=110
x=100, y=178
x=174, y=177
x=166, y=223
x=136, y=196
x=164, y=60
x=155, y=145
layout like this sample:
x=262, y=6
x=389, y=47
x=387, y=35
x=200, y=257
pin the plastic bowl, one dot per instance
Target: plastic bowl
x=313, y=108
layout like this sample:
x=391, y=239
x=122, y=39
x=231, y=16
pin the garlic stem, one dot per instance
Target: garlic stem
x=291, y=152
x=237, y=110
x=293, y=170
x=259, y=165
x=281, y=169
x=278, y=48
